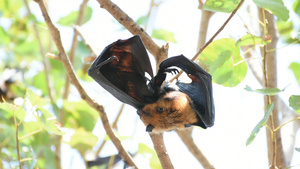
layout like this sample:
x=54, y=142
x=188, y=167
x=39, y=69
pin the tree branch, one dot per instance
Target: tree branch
x=186, y=137
x=74, y=80
x=161, y=151
x=159, y=53
x=275, y=150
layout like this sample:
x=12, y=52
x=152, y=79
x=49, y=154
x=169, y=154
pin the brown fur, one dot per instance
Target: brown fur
x=177, y=112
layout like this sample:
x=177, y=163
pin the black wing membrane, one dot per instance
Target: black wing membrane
x=121, y=68
x=199, y=90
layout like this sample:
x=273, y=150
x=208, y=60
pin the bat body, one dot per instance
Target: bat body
x=121, y=69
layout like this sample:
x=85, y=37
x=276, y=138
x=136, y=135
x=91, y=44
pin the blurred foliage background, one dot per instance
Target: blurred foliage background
x=40, y=111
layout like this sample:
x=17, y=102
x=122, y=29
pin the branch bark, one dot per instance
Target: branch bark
x=161, y=151
x=74, y=80
x=275, y=150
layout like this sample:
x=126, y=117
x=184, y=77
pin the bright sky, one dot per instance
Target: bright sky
x=237, y=111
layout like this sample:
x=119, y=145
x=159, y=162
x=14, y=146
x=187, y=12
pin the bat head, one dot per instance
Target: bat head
x=173, y=110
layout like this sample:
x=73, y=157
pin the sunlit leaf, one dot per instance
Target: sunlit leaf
x=70, y=19
x=251, y=40
x=295, y=67
x=224, y=63
x=39, y=81
x=80, y=114
x=296, y=7
x=276, y=7
x=81, y=51
x=10, y=8
x=221, y=5
x=122, y=138
x=146, y=152
x=265, y=91
x=257, y=128
x=285, y=27
x=83, y=140
x=35, y=99
x=163, y=34
x=294, y=102
x=48, y=121
x=10, y=110
x=143, y=20
x=5, y=39
x=29, y=127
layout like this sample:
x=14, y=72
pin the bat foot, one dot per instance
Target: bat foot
x=172, y=71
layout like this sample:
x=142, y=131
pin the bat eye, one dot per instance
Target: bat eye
x=160, y=109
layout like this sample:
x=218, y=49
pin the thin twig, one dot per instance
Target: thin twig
x=17, y=140
x=212, y=38
x=187, y=139
x=77, y=29
x=74, y=80
x=186, y=135
x=79, y=22
x=45, y=60
x=61, y=113
x=114, y=124
x=275, y=149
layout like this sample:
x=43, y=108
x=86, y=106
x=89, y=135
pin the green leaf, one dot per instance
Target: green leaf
x=83, y=140
x=81, y=51
x=48, y=121
x=296, y=7
x=257, y=128
x=163, y=34
x=5, y=39
x=295, y=67
x=35, y=99
x=250, y=39
x=70, y=19
x=221, y=5
x=285, y=28
x=146, y=152
x=276, y=7
x=10, y=8
x=297, y=149
x=294, y=102
x=39, y=81
x=10, y=110
x=265, y=91
x=143, y=20
x=80, y=114
x=223, y=61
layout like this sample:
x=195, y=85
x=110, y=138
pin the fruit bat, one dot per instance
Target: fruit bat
x=121, y=70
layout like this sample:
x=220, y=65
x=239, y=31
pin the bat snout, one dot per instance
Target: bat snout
x=149, y=128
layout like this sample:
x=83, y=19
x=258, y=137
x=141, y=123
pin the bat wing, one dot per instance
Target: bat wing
x=121, y=69
x=199, y=90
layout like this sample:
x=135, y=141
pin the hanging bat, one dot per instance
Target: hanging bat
x=121, y=70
